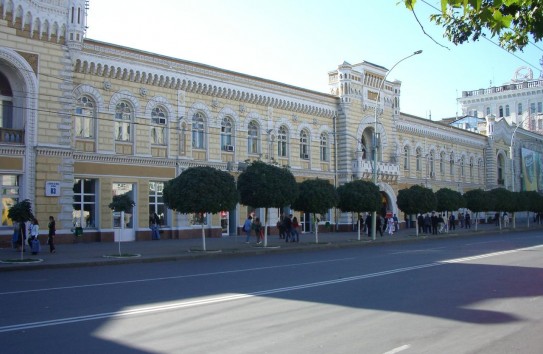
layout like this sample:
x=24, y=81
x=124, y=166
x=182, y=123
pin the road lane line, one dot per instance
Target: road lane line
x=399, y=349
x=218, y=299
x=176, y=276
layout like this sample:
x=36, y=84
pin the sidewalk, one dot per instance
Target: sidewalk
x=98, y=253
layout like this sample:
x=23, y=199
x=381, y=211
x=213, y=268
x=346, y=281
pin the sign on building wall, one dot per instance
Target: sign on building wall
x=532, y=170
x=52, y=189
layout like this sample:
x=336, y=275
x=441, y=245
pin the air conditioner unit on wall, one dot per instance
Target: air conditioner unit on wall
x=229, y=148
x=305, y=156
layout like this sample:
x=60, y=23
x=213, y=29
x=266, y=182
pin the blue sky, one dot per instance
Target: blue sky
x=299, y=42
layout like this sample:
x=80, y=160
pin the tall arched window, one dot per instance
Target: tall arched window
x=406, y=158
x=471, y=168
x=324, y=147
x=226, y=134
x=501, y=165
x=418, y=153
x=198, y=131
x=282, y=142
x=431, y=161
x=123, y=121
x=304, y=145
x=507, y=110
x=159, y=120
x=85, y=116
x=451, y=165
x=500, y=111
x=442, y=163
x=253, y=138
x=6, y=103
x=462, y=165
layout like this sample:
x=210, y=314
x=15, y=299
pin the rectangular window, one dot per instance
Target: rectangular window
x=84, y=206
x=156, y=202
x=9, y=192
x=539, y=107
x=532, y=107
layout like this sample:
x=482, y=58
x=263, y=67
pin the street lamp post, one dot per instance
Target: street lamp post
x=374, y=214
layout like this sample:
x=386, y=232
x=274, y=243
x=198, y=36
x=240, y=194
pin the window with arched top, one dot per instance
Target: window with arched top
x=431, y=162
x=462, y=165
x=507, y=110
x=304, y=145
x=253, y=138
x=471, y=168
x=324, y=148
x=85, y=116
x=198, y=131
x=406, y=158
x=159, y=120
x=282, y=142
x=227, y=141
x=442, y=163
x=124, y=114
x=451, y=165
x=418, y=157
x=500, y=111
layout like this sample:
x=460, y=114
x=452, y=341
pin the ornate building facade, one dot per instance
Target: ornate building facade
x=84, y=120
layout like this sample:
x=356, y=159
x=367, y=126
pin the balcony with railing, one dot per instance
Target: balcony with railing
x=12, y=136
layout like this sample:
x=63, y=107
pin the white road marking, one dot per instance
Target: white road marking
x=218, y=299
x=399, y=349
x=175, y=277
x=418, y=251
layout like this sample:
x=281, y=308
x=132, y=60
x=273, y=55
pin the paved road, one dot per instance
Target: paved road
x=480, y=294
x=90, y=254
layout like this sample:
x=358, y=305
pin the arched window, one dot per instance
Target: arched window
x=406, y=158
x=85, y=116
x=500, y=111
x=304, y=145
x=253, y=138
x=451, y=165
x=501, y=165
x=159, y=120
x=471, y=168
x=442, y=163
x=198, y=130
x=431, y=161
x=6, y=104
x=418, y=153
x=123, y=121
x=507, y=110
x=226, y=134
x=282, y=142
x=462, y=166
x=324, y=147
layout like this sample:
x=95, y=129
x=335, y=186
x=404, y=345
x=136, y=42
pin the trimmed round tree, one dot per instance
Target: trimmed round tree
x=316, y=196
x=502, y=199
x=201, y=190
x=263, y=185
x=477, y=201
x=359, y=196
x=416, y=200
x=21, y=212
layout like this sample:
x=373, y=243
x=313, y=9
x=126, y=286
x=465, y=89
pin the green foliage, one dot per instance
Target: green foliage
x=21, y=212
x=416, y=199
x=502, y=199
x=359, y=196
x=533, y=201
x=266, y=186
x=316, y=196
x=122, y=202
x=476, y=200
x=449, y=200
x=201, y=190
x=514, y=22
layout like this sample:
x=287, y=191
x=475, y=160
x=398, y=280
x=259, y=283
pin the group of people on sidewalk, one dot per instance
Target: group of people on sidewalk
x=287, y=226
x=438, y=223
x=383, y=224
x=20, y=232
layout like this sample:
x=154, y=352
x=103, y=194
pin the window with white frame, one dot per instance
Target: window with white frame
x=282, y=142
x=123, y=121
x=156, y=202
x=507, y=110
x=84, y=205
x=159, y=120
x=253, y=138
x=519, y=109
x=431, y=162
x=198, y=131
x=304, y=145
x=85, y=116
x=418, y=158
x=6, y=103
x=9, y=192
x=324, y=147
x=226, y=134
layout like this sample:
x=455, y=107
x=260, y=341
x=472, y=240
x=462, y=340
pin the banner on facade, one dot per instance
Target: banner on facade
x=532, y=170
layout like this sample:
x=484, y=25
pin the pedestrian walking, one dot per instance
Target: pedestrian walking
x=281, y=226
x=452, y=224
x=390, y=226
x=247, y=228
x=420, y=223
x=378, y=225
x=155, y=227
x=15, y=235
x=287, y=222
x=257, y=227
x=33, y=240
x=505, y=220
x=51, y=235
x=368, y=224
x=461, y=220
x=468, y=221
x=396, y=225
x=295, y=225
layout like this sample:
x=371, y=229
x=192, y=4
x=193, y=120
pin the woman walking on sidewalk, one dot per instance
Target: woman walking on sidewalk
x=52, y=231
